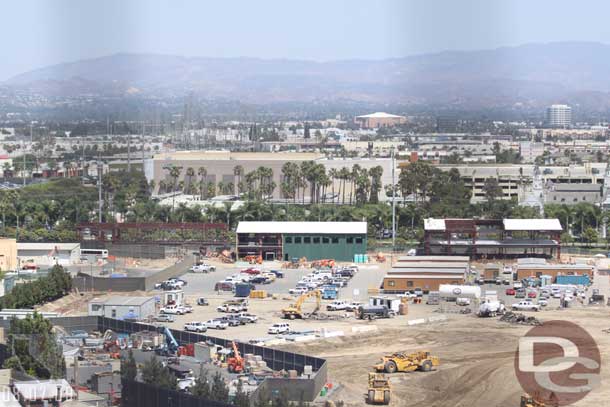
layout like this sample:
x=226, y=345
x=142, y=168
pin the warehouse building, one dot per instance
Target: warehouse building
x=312, y=240
x=426, y=273
x=123, y=307
x=493, y=238
x=8, y=254
x=525, y=270
x=379, y=119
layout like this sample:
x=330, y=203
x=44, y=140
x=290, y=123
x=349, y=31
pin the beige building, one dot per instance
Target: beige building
x=379, y=119
x=8, y=254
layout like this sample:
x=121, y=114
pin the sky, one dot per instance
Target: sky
x=38, y=33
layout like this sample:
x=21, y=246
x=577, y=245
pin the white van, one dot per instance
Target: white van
x=280, y=328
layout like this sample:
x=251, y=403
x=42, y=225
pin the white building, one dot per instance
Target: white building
x=530, y=150
x=122, y=307
x=559, y=116
x=49, y=254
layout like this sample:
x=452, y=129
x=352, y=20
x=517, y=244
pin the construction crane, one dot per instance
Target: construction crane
x=296, y=310
x=172, y=343
x=236, y=362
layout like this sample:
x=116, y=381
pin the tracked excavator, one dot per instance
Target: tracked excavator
x=296, y=310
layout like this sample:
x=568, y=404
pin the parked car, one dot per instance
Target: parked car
x=510, y=291
x=173, y=309
x=278, y=274
x=224, y=286
x=336, y=306
x=79, y=333
x=520, y=293
x=164, y=318
x=525, y=306
x=187, y=308
x=279, y=328
x=202, y=301
x=532, y=294
x=542, y=302
x=418, y=292
x=195, y=327
x=203, y=268
x=232, y=320
x=250, y=318
x=462, y=301
x=506, y=282
x=216, y=324
x=298, y=290
x=252, y=271
x=230, y=308
x=517, y=285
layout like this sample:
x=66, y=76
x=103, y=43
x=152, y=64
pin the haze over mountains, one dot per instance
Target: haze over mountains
x=529, y=75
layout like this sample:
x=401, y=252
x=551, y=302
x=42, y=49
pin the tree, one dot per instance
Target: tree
x=156, y=374
x=220, y=390
x=201, y=388
x=203, y=174
x=492, y=190
x=590, y=235
x=242, y=399
x=129, y=371
x=306, y=131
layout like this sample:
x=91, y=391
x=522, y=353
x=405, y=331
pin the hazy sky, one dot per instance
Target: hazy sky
x=35, y=33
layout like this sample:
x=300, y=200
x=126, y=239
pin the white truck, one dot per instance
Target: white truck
x=525, y=306
x=337, y=306
x=202, y=268
x=489, y=308
x=173, y=309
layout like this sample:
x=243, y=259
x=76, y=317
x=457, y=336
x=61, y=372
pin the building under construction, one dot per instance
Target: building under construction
x=493, y=238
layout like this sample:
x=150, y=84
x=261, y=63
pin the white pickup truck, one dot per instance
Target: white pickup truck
x=202, y=268
x=173, y=309
x=525, y=306
x=337, y=306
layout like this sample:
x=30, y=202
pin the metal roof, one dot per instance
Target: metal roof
x=118, y=300
x=334, y=228
x=48, y=246
x=532, y=224
x=380, y=115
x=424, y=276
x=442, y=259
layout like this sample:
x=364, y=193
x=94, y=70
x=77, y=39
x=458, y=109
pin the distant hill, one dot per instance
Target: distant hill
x=529, y=75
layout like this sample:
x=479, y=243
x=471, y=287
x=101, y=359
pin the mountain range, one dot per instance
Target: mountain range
x=524, y=76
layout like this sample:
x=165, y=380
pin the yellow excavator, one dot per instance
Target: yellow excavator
x=296, y=310
x=379, y=389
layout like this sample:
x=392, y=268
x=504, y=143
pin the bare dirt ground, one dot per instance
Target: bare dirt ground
x=477, y=357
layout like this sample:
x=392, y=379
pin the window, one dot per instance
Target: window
x=96, y=307
x=358, y=240
x=114, y=313
x=391, y=283
x=316, y=240
x=350, y=240
x=325, y=240
x=307, y=240
x=288, y=239
x=297, y=239
x=335, y=240
x=409, y=283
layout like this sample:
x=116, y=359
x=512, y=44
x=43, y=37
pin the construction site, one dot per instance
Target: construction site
x=367, y=346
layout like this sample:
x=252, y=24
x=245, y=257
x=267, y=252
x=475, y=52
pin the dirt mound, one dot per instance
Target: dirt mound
x=516, y=318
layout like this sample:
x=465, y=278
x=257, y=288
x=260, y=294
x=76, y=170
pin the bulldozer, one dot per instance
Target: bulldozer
x=402, y=362
x=296, y=310
x=379, y=389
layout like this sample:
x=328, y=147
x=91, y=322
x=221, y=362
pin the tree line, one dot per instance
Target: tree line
x=49, y=288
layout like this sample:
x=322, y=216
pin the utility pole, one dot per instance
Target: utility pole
x=393, y=203
x=99, y=188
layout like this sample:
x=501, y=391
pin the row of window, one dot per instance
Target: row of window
x=323, y=240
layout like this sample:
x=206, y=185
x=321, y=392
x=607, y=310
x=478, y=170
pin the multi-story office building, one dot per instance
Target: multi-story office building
x=559, y=116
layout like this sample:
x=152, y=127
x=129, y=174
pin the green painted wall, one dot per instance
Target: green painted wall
x=320, y=246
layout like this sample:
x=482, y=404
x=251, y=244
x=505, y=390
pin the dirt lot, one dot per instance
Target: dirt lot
x=476, y=360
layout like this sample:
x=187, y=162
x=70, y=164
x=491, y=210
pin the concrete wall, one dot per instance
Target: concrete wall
x=8, y=255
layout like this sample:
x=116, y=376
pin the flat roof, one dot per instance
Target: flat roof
x=442, y=259
x=330, y=228
x=380, y=115
x=423, y=276
x=236, y=156
x=554, y=266
x=489, y=242
x=532, y=224
x=48, y=246
x=401, y=270
x=123, y=300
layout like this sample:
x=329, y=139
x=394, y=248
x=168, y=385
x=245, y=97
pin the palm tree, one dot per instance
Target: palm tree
x=376, y=186
x=174, y=173
x=333, y=173
x=238, y=172
x=203, y=173
x=190, y=173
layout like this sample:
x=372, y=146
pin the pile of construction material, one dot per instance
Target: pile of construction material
x=521, y=319
x=256, y=365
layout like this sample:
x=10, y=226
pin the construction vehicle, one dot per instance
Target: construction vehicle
x=379, y=389
x=296, y=310
x=253, y=259
x=402, y=362
x=529, y=401
x=236, y=362
x=324, y=263
x=172, y=343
